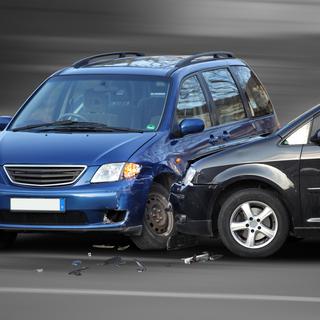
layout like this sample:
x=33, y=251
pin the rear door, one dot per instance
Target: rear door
x=232, y=120
x=257, y=100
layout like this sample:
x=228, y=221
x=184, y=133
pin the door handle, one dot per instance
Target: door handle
x=225, y=135
x=213, y=139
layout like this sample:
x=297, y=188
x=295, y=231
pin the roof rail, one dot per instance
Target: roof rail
x=86, y=61
x=212, y=55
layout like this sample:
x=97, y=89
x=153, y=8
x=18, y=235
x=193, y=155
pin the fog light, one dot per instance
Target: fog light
x=106, y=219
x=113, y=216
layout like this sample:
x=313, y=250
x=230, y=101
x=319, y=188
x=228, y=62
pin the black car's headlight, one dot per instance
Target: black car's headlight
x=111, y=172
x=187, y=180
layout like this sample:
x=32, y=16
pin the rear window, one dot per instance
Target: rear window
x=257, y=96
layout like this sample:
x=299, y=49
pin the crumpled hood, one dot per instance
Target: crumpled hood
x=66, y=148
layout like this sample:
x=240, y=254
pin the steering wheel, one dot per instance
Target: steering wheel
x=69, y=116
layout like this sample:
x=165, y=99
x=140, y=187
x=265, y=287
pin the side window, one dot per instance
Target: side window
x=300, y=136
x=192, y=103
x=225, y=94
x=315, y=126
x=257, y=96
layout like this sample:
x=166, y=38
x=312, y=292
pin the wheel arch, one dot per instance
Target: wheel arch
x=258, y=177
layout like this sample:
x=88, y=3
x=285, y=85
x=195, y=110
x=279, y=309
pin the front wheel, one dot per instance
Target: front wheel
x=253, y=223
x=158, y=221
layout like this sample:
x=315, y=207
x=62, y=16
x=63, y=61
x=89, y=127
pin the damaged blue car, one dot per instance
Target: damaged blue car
x=97, y=146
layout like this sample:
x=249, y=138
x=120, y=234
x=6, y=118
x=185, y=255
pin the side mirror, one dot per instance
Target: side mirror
x=316, y=137
x=192, y=125
x=4, y=121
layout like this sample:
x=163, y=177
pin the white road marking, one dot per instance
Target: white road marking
x=154, y=294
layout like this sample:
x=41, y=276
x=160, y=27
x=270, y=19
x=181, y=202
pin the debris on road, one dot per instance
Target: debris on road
x=89, y=254
x=78, y=272
x=103, y=246
x=116, y=260
x=215, y=257
x=123, y=248
x=204, y=257
x=40, y=270
x=140, y=266
x=76, y=263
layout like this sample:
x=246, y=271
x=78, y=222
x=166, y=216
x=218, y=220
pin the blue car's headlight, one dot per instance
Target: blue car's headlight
x=116, y=171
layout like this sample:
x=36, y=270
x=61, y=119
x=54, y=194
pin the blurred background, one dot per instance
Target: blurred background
x=279, y=38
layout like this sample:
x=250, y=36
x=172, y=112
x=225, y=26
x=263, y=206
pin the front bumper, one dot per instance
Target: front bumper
x=192, y=207
x=87, y=207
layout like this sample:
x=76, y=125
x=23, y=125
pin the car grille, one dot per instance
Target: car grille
x=43, y=176
x=43, y=218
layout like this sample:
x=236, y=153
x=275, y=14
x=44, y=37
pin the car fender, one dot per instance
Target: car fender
x=267, y=174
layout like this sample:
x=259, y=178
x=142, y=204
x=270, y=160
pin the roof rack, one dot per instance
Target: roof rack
x=212, y=55
x=86, y=61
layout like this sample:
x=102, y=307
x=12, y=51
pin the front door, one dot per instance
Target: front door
x=310, y=177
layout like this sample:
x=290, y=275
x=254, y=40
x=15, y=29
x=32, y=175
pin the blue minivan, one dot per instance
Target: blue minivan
x=97, y=146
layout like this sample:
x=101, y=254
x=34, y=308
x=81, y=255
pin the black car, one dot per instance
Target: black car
x=255, y=193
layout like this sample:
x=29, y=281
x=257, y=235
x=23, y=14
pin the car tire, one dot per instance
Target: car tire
x=157, y=229
x=241, y=230
x=7, y=238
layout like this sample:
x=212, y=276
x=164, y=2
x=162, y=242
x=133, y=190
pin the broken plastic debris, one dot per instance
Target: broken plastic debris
x=89, y=254
x=78, y=272
x=215, y=257
x=39, y=270
x=116, y=260
x=204, y=257
x=140, y=266
x=123, y=248
x=102, y=246
x=76, y=263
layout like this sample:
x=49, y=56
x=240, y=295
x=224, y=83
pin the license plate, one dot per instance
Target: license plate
x=29, y=204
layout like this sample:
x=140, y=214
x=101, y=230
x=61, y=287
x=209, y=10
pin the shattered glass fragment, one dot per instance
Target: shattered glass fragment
x=76, y=263
x=140, y=266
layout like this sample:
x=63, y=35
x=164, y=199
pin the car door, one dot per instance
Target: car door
x=310, y=175
x=192, y=103
x=257, y=100
x=231, y=116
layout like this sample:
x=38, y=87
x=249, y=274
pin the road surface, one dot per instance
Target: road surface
x=285, y=286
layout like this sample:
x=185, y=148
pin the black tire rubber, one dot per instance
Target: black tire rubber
x=7, y=238
x=149, y=240
x=237, y=198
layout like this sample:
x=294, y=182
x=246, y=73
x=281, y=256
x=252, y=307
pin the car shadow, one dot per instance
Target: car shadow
x=67, y=243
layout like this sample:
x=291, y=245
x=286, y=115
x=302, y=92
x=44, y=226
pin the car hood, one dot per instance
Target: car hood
x=66, y=148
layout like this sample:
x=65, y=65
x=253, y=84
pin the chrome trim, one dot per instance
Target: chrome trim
x=315, y=188
x=313, y=220
x=83, y=167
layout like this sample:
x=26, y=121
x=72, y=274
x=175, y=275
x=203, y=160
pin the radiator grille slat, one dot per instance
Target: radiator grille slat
x=43, y=175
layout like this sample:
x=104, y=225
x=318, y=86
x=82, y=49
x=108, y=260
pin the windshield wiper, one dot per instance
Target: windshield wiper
x=48, y=124
x=83, y=126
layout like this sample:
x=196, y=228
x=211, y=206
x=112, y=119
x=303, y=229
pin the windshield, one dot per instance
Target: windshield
x=115, y=101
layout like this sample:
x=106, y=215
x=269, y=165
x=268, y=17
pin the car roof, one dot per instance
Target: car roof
x=155, y=65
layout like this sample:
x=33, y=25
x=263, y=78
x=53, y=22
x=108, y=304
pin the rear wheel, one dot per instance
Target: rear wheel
x=253, y=223
x=158, y=221
x=7, y=239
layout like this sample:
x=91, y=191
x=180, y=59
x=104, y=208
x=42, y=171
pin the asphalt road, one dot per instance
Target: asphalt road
x=284, y=286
